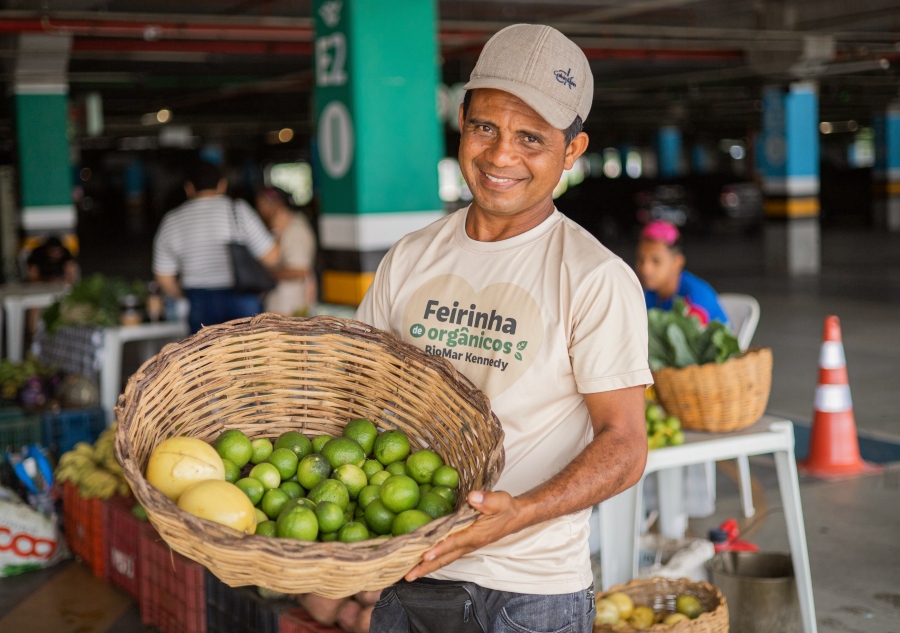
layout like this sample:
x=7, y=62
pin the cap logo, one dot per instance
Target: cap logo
x=565, y=78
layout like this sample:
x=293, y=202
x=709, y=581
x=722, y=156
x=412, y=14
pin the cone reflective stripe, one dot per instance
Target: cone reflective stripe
x=834, y=445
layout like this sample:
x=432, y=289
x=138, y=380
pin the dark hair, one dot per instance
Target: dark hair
x=204, y=175
x=277, y=193
x=570, y=132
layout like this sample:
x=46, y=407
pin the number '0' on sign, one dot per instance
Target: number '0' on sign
x=335, y=135
x=331, y=57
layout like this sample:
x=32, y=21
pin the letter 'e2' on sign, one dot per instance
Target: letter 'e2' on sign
x=335, y=134
x=331, y=57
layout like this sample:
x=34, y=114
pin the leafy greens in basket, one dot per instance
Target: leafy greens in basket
x=678, y=340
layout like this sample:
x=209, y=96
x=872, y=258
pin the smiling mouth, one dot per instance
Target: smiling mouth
x=499, y=181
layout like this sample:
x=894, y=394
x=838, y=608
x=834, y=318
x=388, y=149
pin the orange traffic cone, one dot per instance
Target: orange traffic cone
x=833, y=444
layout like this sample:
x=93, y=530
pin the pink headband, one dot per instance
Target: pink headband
x=659, y=231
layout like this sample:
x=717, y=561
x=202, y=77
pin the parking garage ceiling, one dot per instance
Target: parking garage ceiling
x=240, y=67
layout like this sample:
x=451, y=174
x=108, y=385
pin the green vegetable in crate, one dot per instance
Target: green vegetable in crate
x=92, y=301
x=678, y=340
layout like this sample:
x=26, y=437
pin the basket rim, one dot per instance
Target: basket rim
x=162, y=510
x=751, y=352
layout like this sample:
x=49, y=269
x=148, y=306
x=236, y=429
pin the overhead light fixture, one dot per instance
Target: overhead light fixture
x=164, y=115
x=285, y=135
x=825, y=127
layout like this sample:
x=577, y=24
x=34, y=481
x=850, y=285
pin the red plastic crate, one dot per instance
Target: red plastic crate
x=299, y=621
x=123, y=531
x=85, y=524
x=172, y=588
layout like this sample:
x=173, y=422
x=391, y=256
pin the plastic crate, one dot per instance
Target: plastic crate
x=123, y=531
x=240, y=609
x=18, y=428
x=84, y=521
x=299, y=621
x=63, y=430
x=172, y=588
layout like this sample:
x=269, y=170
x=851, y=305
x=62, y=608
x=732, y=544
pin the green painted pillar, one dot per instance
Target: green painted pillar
x=378, y=138
x=40, y=100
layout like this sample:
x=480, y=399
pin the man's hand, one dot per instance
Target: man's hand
x=500, y=515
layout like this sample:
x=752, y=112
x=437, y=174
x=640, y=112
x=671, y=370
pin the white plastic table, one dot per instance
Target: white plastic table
x=17, y=298
x=620, y=517
x=114, y=339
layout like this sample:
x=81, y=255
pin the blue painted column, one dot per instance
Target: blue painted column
x=790, y=169
x=668, y=150
x=886, y=174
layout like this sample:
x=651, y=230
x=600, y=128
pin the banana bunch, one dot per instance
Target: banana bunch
x=94, y=469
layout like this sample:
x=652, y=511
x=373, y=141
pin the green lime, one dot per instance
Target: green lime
x=446, y=476
x=293, y=489
x=688, y=605
x=390, y=447
x=446, y=493
x=342, y=450
x=267, y=475
x=273, y=502
x=677, y=438
x=299, y=523
x=421, y=465
x=320, y=441
x=260, y=516
x=379, y=478
x=328, y=537
x=359, y=512
x=397, y=468
x=265, y=528
x=232, y=472
x=351, y=476
x=408, y=521
x=235, y=447
x=330, y=516
x=285, y=460
x=330, y=490
x=434, y=505
x=253, y=488
x=262, y=448
x=353, y=532
x=425, y=488
x=372, y=466
x=302, y=502
x=400, y=493
x=379, y=518
x=363, y=432
x=296, y=442
x=312, y=469
x=369, y=494
x=352, y=506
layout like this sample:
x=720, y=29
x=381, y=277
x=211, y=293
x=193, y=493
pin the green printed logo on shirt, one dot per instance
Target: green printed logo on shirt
x=492, y=336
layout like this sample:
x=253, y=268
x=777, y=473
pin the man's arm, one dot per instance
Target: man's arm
x=284, y=273
x=614, y=461
x=272, y=257
x=169, y=285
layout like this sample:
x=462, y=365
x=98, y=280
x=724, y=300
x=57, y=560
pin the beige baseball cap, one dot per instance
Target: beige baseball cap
x=542, y=67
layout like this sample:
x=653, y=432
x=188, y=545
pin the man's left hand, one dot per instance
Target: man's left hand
x=500, y=515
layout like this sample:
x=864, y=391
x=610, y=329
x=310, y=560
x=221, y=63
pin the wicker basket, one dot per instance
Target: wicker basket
x=660, y=593
x=717, y=396
x=270, y=374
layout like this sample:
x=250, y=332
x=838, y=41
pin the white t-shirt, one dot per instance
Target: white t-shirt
x=534, y=321
x=191, y=240
x=298, y=248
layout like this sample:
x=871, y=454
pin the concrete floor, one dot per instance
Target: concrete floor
x=852, y=526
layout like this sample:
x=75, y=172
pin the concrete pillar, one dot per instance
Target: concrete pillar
x=668, y=149
x=886, y=174
x=40, y=96
x=790, y=169
x=378, y=138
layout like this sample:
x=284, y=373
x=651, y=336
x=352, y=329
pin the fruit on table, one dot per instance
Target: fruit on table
x=179, y=462
x=607, y=612
x=642, y=618
x=675, y=618
x=220, y=502
x=662, y=430
x=688, y=605
x=624, y=603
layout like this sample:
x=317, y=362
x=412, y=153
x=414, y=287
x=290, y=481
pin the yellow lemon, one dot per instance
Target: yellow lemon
x=180, y=462
x=220, y=502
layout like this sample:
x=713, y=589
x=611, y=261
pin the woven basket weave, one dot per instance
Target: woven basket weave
x=717, y=396
x=660, y=594
x=270, y=374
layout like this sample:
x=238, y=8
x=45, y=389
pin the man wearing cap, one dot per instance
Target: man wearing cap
x=543, y=319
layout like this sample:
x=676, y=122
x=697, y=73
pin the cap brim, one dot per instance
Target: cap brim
x=553, y=112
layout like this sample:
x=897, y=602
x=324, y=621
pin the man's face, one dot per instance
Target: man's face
x=656, y=265
x=509, y=155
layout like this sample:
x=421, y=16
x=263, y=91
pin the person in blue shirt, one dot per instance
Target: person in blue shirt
x=660, y=267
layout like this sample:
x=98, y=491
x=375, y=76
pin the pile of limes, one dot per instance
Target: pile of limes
x=662, y=430
x=359, y=486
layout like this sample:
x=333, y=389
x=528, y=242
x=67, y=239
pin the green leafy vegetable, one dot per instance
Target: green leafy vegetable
x=94, y=301
x=678, y=340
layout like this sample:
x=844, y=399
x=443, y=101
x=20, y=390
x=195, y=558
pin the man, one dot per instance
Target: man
x=191, y=244
x=542, y=318
x=295, y=294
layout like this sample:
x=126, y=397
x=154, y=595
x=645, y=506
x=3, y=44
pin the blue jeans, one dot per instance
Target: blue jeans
x=524, y=613
x=211, y=307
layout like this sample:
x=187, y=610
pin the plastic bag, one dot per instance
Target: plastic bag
x=29, y=540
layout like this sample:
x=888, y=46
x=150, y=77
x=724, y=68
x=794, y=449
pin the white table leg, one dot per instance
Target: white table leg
x=673, y=519
x=15, y=328
x=619, y=525
x=789, y=486
x=744, y=483
x=110, y=372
